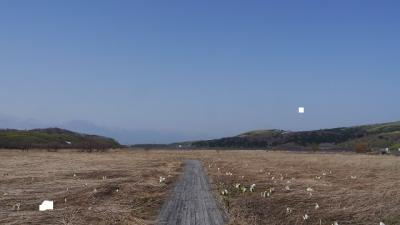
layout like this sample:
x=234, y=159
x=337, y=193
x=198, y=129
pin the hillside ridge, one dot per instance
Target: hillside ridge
x=53, y=138
x=373, y=136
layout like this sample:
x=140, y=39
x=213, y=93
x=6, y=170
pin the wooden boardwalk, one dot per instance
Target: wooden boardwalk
x=191, y=201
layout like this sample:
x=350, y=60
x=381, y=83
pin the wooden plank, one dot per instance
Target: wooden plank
x=191, y=201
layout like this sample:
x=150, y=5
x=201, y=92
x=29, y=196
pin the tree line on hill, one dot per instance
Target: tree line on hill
x=53, y=139
x=358, y=138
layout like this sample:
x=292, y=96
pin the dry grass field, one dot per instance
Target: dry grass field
x=122, y=187
x=88, y=188
x=328, y=188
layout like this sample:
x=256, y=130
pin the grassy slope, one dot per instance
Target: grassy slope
x=53, y=138
x=374, y=136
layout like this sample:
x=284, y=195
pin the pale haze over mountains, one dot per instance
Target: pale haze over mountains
x=124, y=136
x=130, y=136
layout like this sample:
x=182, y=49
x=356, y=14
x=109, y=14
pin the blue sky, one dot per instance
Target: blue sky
x=204, y=68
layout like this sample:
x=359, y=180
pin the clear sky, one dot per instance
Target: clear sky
x=201, y=67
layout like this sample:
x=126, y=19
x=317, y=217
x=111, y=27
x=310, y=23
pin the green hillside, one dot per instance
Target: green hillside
x=53, y=138
x=373, y=137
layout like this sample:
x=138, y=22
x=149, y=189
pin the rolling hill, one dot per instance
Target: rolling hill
x=373, y=137
x=53, y=138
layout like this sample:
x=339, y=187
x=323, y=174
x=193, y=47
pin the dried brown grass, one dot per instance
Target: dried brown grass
x=372, y=195
x=31, y=177
x=28, y=178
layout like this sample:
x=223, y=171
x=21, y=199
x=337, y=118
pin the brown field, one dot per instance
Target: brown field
x=28, y=178
x=348, y=188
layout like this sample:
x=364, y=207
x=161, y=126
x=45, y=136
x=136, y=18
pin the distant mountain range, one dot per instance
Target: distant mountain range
x=124, y=136
x=127, y=136
x=375, y=136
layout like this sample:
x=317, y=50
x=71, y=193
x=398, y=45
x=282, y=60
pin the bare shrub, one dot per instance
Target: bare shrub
x=360, y=148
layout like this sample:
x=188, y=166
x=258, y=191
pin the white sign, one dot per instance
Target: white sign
x=46, y=205
x=301, y=109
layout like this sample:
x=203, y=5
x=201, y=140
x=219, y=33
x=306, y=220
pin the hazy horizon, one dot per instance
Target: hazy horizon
x=168, y=71
x=132, y=136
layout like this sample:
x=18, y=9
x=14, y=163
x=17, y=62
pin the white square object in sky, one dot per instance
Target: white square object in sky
x=301, y=109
